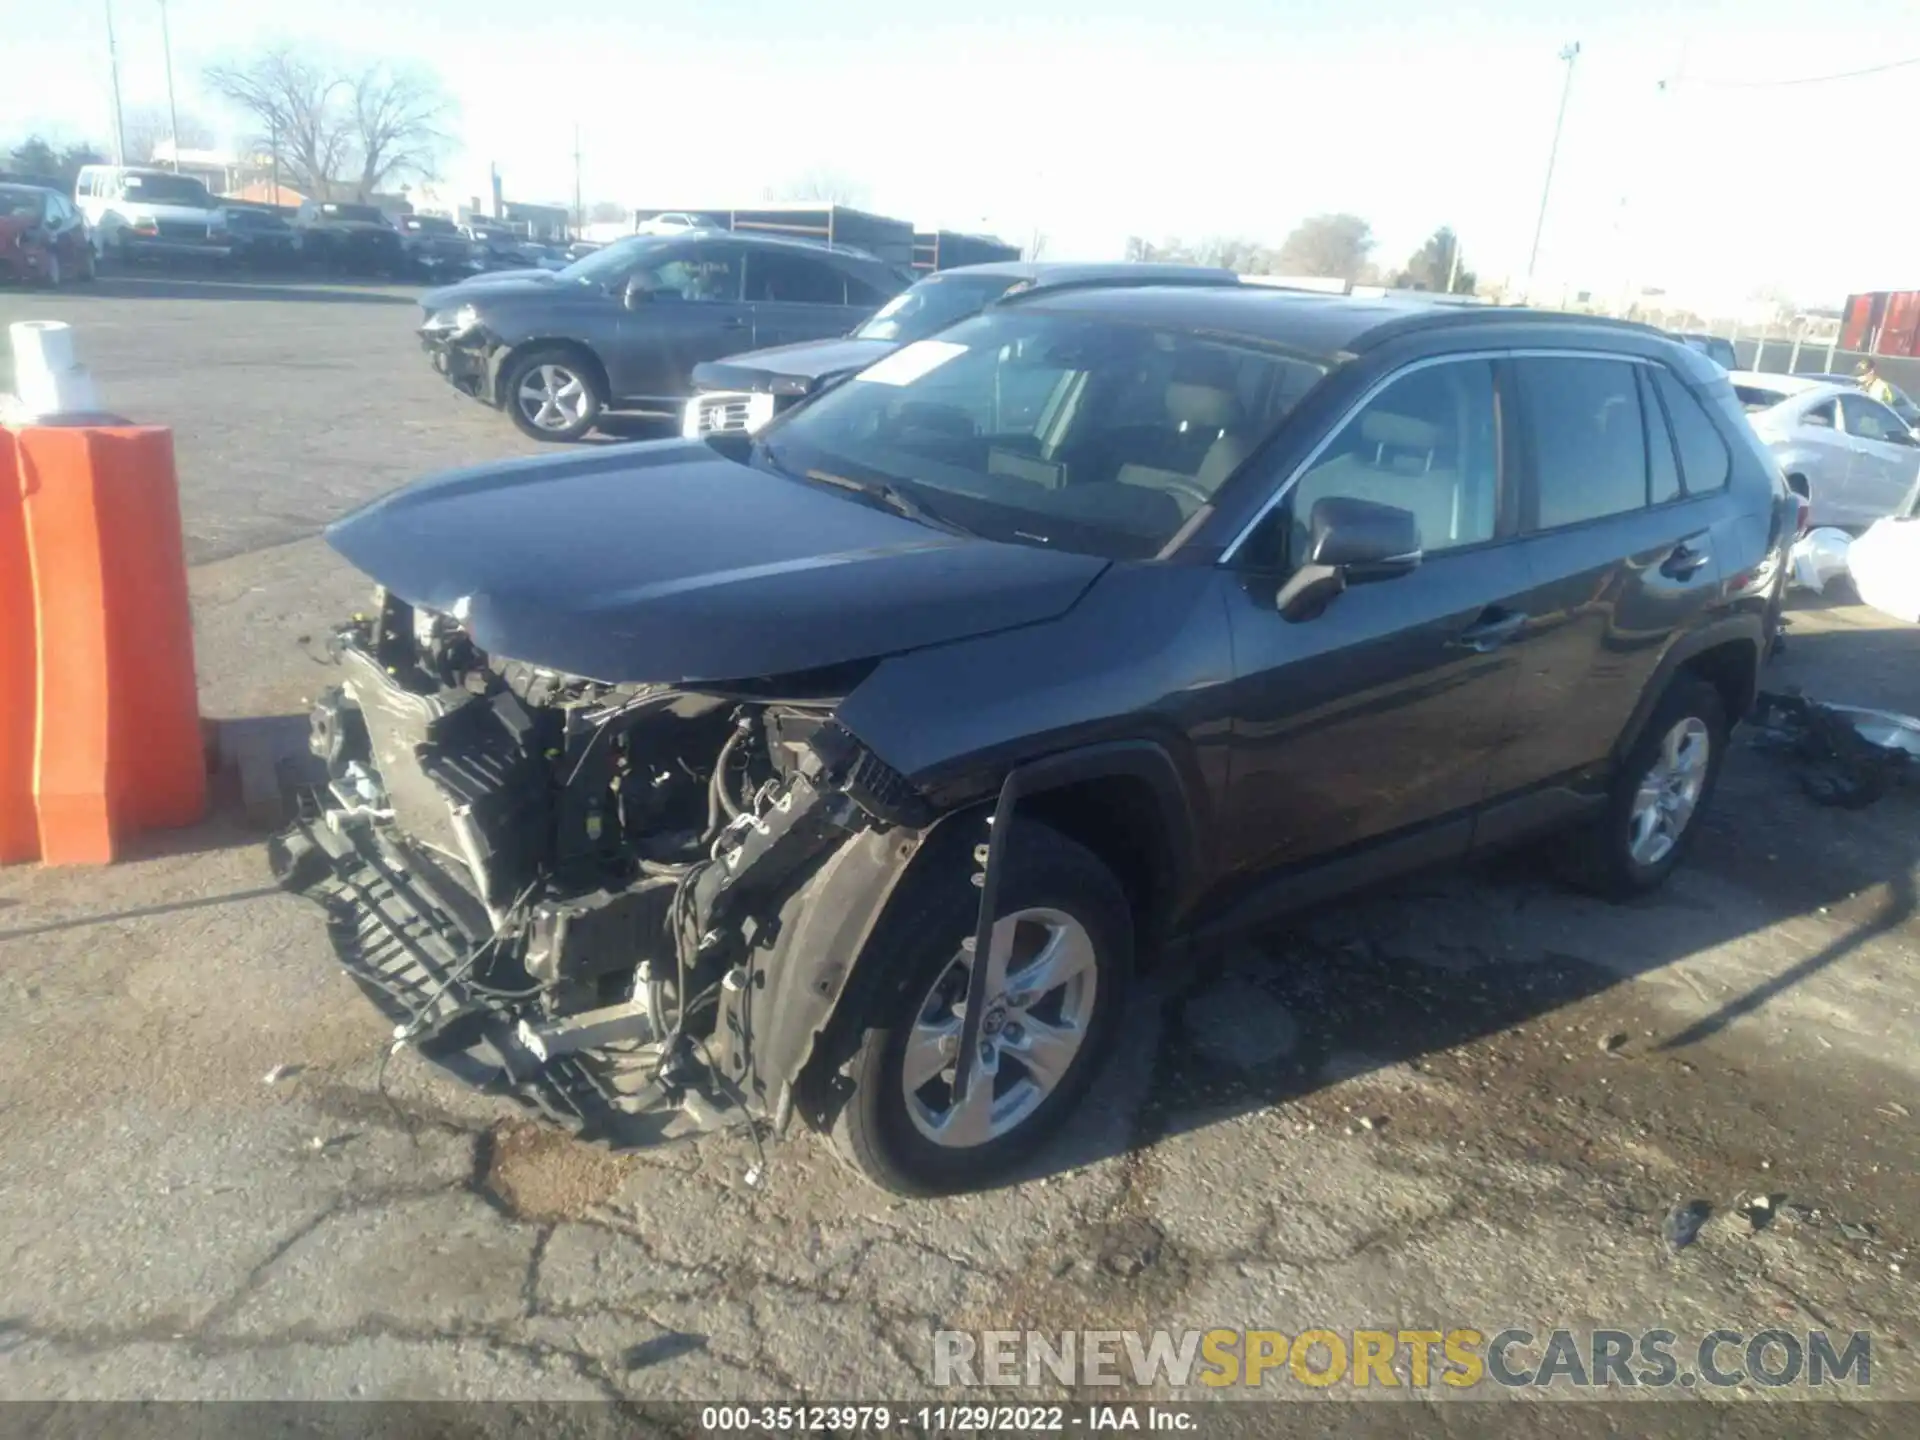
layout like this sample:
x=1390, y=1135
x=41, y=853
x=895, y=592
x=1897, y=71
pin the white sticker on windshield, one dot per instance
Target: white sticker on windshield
x=903, y=367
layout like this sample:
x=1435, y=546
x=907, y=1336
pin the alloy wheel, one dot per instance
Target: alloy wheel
x=1670, y=791
x=554, y=397
x=1042, y=978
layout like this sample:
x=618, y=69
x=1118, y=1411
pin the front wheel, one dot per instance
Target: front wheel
x=551, y=395
x=1653, y=810
x=1057, y=974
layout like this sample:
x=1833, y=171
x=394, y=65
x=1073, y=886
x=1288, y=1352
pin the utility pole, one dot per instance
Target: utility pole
x=578, y=217
x=1453, y=261
x=1569, y=54
x=119, y=120
x=273, y=156
x=173, y=111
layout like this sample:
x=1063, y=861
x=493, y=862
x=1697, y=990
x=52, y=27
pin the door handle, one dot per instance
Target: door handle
x=1494, y=628
x=1683, y=561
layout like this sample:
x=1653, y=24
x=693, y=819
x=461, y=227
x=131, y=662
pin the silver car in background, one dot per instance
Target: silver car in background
x=1852, y=457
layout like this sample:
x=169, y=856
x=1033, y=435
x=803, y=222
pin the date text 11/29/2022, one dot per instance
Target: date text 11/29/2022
x=945, y=1419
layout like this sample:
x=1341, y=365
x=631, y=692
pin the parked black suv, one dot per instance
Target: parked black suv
x=743, y=392
x=850, y=769
x=622, y=328
x=348, y=239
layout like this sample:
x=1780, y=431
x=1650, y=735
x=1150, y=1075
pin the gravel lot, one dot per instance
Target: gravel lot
x=1471, y=1100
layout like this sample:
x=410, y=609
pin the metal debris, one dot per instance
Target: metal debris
x=1848, y=756
x=281, y=1072
x=1683, y=1224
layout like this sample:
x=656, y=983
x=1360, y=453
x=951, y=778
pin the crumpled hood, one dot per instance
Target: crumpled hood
x=668, y=562
x=790, y=369
x=491, y=285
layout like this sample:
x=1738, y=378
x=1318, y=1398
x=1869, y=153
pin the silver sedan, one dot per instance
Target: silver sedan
x=1852, y=457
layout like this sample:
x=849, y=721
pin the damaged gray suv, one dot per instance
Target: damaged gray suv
x=852, y=770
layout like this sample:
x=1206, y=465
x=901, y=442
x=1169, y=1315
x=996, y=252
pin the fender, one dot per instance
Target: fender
x=825, y=964
x=1743, y=627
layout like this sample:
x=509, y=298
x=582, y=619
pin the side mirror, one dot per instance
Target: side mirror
x=636, y=293
x=1350, y=542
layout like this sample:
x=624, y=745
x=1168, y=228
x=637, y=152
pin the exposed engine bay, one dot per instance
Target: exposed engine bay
x=604, y=899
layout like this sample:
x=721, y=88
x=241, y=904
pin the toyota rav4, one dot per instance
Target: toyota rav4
x=851, y=770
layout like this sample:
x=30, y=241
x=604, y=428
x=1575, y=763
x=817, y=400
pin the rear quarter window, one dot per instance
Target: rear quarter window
x=1705, y=462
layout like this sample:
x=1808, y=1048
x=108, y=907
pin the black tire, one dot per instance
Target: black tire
x=524, y=367
x=1599, y=858
x=89, y=266
x=873, y=1130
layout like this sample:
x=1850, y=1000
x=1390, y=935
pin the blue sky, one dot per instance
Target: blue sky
x=1095, y=121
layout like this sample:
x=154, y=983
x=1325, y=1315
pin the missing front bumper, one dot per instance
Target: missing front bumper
x=411, y=958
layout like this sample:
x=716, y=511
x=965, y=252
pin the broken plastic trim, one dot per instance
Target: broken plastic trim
x=1849, y=756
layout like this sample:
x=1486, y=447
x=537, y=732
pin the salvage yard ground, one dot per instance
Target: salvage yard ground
x=1471, y=1100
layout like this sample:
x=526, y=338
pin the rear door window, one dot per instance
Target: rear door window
x=1663, y=471
x=1589, y=438
x=1705, y=462
x=776, y=276
x=1822, y=416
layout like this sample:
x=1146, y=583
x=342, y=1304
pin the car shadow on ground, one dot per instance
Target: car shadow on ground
x=1390, y=978
x=229, y=285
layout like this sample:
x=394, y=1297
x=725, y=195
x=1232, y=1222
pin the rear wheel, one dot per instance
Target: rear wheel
x=1056, y=984
x=551, y=395
x=1654, y=808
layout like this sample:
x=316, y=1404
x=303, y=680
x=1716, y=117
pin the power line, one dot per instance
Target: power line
x=1796, y=80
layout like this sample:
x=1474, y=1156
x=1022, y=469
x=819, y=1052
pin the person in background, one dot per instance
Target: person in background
x=1871, y=382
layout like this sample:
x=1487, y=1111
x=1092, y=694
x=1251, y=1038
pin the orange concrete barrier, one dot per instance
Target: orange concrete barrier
x=117, y=744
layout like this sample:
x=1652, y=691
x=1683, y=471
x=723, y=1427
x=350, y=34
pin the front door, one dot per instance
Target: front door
x=1381, y=714
x=694, y=310
x=1886, y=458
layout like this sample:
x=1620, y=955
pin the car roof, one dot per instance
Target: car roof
x=1045, y=273
x=1306, y=320
x=24, y=185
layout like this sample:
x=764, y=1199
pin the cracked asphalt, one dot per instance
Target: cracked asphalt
x=1468, y=1100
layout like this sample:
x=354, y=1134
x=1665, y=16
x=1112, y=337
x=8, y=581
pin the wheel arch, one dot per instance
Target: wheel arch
x=1726, y=655
x=514, y=353
x=827, y=962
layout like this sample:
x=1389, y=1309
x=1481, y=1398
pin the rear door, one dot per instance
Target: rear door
x=1885, y=458
x=1379, y=716
x=694, y=311
x=1621, y=545
x=796, y=296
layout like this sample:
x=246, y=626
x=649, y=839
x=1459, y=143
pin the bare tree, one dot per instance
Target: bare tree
x=608, y=212
x=1333, y=245
x=822, y=184
x=396, y=120
x=147, y=126
x=293, y=104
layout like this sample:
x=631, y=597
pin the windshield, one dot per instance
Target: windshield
x=933, y=304
x=1087, y=434
x=605, y=266
x=167, y=190
x=432, y=224
x=19, y=204
x=363, y=213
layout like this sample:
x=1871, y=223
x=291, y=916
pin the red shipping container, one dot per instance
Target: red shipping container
x=1900, y=331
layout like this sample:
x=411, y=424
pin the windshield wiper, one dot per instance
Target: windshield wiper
x=891, y=496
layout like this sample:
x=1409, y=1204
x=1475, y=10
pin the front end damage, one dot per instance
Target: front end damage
x=635, y=907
